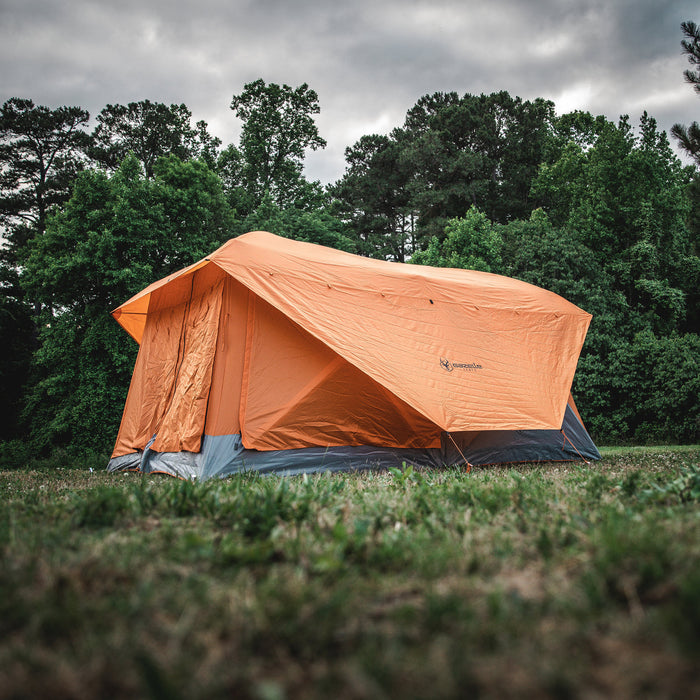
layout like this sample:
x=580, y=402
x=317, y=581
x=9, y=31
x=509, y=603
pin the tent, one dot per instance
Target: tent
x=275, y=355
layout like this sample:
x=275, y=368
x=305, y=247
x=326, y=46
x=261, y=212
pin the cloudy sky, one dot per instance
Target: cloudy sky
x=368, y=60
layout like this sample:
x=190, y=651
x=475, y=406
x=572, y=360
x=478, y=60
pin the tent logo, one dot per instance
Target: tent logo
x=449, y=366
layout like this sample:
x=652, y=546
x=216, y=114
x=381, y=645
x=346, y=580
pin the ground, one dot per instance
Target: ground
x=552, y=581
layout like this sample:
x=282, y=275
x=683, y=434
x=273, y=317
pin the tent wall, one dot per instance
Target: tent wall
x=572, y=442
x=468, y=350
x=223, y=415
x=169, y=388
x=224, y=455
x=222, y=353
x=182, y=424
x=298, y=393
x=152, y=379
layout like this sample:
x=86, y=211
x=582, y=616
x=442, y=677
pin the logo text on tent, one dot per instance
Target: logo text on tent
x=449, y=366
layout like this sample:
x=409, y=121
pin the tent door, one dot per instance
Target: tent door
x=182, y=423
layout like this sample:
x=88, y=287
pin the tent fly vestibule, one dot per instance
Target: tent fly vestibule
x=280, y=356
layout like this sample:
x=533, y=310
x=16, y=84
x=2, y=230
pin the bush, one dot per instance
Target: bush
x=15, y=454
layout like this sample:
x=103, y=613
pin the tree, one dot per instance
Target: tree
x=17, y=333
x=278, y=128
x=624, y=198
x=150, y=130
x=470, y=243
x=574, y=128
x=373, y=199
x=302, y=224
x=689, y=137
x=473, y=150
x=41, y=151
x=554, y=258
x=115, y=235
x=689, y=140
x=452, y=153
x=618, y=203
x=537, y=252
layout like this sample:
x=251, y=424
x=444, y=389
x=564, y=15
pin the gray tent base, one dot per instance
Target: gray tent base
x=224, y=455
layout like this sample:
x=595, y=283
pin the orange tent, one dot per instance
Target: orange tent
x=276, y=354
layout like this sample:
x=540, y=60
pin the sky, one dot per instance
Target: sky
x=368, y=60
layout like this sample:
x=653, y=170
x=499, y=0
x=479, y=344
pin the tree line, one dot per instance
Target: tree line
x=603, y=213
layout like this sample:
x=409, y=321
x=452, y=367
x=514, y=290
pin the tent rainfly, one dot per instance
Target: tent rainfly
x=274, y=355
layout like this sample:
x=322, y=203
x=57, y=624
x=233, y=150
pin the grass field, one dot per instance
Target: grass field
x=544, y=581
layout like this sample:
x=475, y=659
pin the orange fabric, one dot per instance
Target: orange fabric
x=225, y=395
x=133, y=313
x=299, y=393
x=321, y=347
x=152, y=381
x=468, y=350
x=170, y=385
x=182, y=425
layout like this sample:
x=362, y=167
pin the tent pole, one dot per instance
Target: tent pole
x=566, y=439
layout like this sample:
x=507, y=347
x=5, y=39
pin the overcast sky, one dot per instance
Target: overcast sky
x=368, y=60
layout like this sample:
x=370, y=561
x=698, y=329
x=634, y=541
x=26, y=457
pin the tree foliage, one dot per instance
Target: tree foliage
x=17, y=333
x=278, y=129
x=475, y=150
x=41, y=152
x=149, y=130
x=470, y=242
x=301, y=224
x=115, y=235
x=689, y=137
x=452, y=152
x=621, y=199
x=625, y=198
x=372, y=197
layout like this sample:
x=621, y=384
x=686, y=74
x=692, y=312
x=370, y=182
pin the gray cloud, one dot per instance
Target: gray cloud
x=368, y=60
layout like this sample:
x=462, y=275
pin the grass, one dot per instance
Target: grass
x=552, y=581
